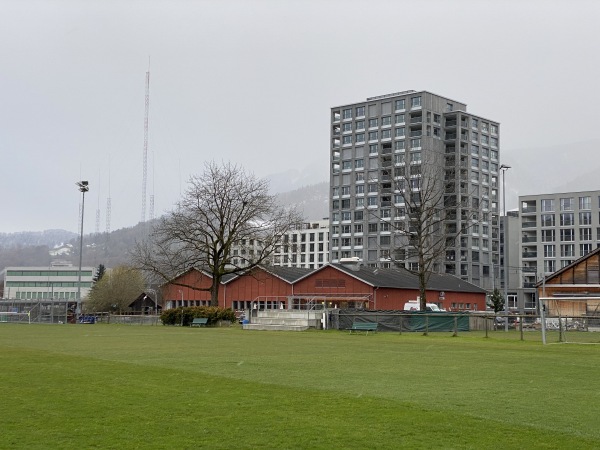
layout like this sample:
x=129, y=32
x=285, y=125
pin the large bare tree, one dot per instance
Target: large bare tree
x=224, y=211
x=427, y=191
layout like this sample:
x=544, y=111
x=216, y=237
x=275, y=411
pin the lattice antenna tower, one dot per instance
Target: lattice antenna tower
x=145, y=158
x=108, y=201
x=152, y=195
x=97, y=230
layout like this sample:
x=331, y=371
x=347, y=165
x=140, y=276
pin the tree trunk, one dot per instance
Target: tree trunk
x=214, y=291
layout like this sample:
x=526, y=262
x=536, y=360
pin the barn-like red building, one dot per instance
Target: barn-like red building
x=341, y=286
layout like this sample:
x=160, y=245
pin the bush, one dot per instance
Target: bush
x=212, y=313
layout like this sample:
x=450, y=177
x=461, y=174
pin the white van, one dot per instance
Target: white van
x=415, y=305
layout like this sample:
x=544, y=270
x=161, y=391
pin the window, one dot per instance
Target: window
x=585, y=202
x=494, y=142
x=399, y=145
x=567, y=235
x=384, y=240
x=415, y=102
x=475, y=163
x=566, y=204
x=347, y=127
x=359, y=163
x=415, y=157
x=358, y=228
x=399, y=118
x=360, y=202
x=548, y=204
x=345, y=190
x=549, y=251
x=335, y=191
x=372, y=228
x=360, y=124
x=373, y=148
x=385, y=213
x=346, y=165
x=548, y=236
x=584, y=249
x=372, y=123
x=384, y=226
x=358, y=215
x=567, y=219
x=372, y=135
x=475, y=150
x=346, y=229
x=386, y=134
x=567, y=250
x=550, y=265
x=449, y=107
x=387, y=120
x=400, y=132
x=360, y=111
x=548, y=220
x=400, y=104
x=359, y=176
x=585, y=218
x=372, y=201
x=347, y=114
x=360, y=188
x=585, y=234
x=346, y=140
x=485, y=140
x=358, y=241
x=415, y=143
x=494, y=129
x=360, y=137
x=474, y=137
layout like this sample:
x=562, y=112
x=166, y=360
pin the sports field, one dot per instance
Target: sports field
x=111, y=386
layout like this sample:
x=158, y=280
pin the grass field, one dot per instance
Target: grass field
x=111, y=386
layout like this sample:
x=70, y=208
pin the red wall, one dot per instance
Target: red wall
x=257, y=284
x=171, y=291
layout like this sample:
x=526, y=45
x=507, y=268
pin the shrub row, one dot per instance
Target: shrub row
x=212, y=313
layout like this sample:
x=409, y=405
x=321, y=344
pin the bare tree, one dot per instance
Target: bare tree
x=426, y=193
x=224, y=210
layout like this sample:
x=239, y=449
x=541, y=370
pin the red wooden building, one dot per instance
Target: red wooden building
x=339, y=285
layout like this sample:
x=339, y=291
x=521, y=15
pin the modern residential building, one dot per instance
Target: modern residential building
x=57, y=282
x=556, y=230
x=307, y=245
x=384, y=146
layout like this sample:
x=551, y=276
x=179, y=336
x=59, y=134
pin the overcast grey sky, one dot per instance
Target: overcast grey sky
x=252, y=82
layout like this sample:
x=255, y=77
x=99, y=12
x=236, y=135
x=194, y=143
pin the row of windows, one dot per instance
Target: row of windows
x=48, y=285
x=359, y=111
x=568, y=235
x=566, y=219
x=302, y=248
x=566, y=204
x=566, y=250
x=21, y=295
x=48, y=273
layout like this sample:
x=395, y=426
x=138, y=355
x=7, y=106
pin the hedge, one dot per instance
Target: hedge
x=212, y=313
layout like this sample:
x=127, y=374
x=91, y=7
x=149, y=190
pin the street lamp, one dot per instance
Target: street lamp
x=83, y=188
x=503, y=169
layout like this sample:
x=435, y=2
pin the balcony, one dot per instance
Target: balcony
x=529, y=210
x=450, y=123
x=450, y=136
x=416, y=119
x=529, y=269
x=528, y=224
x=529, y=254
x=416, y=133
x=529, y=239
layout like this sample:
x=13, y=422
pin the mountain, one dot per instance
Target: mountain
x=112, y=249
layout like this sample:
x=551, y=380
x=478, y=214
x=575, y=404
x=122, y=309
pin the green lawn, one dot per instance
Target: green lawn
x=111, y=386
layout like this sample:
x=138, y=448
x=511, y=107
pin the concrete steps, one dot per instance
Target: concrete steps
x=283, y=320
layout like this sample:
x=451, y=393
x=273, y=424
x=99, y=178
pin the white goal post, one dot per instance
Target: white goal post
x=569, y=313
x=15, y=317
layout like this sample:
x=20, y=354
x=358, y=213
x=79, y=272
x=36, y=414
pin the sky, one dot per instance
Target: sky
x=252, y=82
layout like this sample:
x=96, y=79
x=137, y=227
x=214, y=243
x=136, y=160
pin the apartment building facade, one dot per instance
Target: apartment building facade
x=556, y=230
x=382, y=147
x=306, y=245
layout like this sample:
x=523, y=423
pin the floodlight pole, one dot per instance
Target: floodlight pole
x=83, y=188
x=504, y=168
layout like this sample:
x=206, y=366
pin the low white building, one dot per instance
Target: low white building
x=58, y=282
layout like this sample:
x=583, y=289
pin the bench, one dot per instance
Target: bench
x=363, y=326
x=199, y=322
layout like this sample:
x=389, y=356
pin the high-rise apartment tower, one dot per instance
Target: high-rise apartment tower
x=406, y=135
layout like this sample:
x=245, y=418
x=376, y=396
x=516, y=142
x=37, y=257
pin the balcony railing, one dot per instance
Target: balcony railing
x=529, y=254
x=528, y=239
x=528, y=224
x=528, y=209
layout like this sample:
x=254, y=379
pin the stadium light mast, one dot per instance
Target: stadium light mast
x=83, y=188
x=503, y=169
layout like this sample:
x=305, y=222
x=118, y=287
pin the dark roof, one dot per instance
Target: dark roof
x=399, y=278
x=570, y=266
x=287, y=274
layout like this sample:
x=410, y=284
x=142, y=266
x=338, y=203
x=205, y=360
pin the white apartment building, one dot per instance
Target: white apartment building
x=556, y=229
x=307, y=245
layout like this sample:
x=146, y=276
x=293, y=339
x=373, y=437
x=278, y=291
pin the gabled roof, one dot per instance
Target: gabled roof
x=399, y=278
x=288, y=274
x=566, y=268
